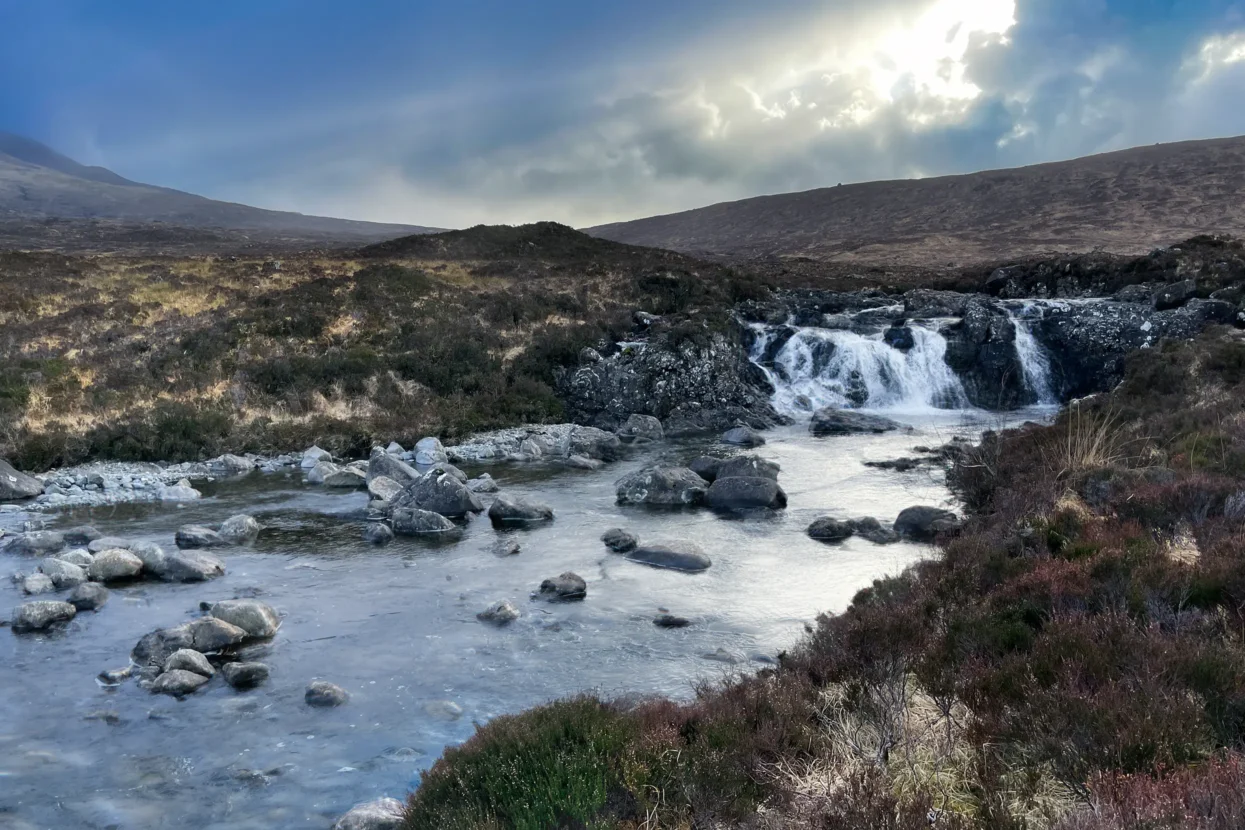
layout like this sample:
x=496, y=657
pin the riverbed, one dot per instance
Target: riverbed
x=396, y=627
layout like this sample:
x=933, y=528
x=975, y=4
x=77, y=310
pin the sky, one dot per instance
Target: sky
x=482, y=111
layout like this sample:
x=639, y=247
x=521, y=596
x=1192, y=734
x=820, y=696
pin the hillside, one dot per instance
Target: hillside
x=1125, y=202
x=50, y=201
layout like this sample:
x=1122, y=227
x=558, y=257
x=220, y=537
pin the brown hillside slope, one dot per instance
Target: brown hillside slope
x=1125, y=202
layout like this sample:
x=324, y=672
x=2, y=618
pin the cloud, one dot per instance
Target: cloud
x=790, y=97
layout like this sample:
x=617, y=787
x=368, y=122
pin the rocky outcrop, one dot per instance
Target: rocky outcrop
x=41, y=615
x=15, y=485
x=690, y=384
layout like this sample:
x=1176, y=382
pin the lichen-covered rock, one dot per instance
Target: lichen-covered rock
x=36, y=584
x=639, y=426
x=89, y=596
x=662, y=486
x=63, y=574
x=438, y=492
x=37, y=543
x=383, y=488
x=115, y=565
x=41, y=615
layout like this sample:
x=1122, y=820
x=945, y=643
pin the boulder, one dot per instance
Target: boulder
x=747, y=466
x=591, y=442
x=80, y=537
x=244, y=675
x=314, y=456
x=738, y=493
x=62, y=574
x=742, y=436
x=924, y=524
x=346, y=478
x=114, y=565
x=438, y=492
x=449, y=469
x=181, y=491
x=831, y=421
x=378, y=533
x=513, y=510
x=641, y=426
x=178, y=683
x=671, y=621
x=41, y=615
x=563, y=588
x=619, y=540
x=109, y=543
x=239, y=530
x=706, y=467
x=409, y=521
x=677, y=555
x=871, y=529
x=15, y=486
x=324, y=694
x=1174, y=295
x=192, y=537
x=192, y=566
x=395, y=448
x=827, y=529
x=662, y=486
x=900, y=338
x=206, y=635
x=507, y=547
x=78, y=557
x=430, y=451
x=321, y=471
x=89, y=596
x=187, y=659
x=381, y=814
x=37, y=543
x=499, y=613
x=483, y=484
x=152, y=556
x=383, y=488
x=36, y=584
x=579, y=462
x=231, y=465
x=256, y=618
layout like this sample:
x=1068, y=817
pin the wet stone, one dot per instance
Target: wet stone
x=323, y=694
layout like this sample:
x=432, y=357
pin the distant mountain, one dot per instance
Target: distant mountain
x=1125, y=202
x=47, y=196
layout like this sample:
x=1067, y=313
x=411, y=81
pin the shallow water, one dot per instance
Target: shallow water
x=396, y=627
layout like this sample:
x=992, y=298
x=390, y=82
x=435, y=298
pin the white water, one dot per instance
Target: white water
x=845, y=369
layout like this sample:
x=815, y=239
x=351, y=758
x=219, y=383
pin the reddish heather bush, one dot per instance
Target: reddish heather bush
x=1209, y=796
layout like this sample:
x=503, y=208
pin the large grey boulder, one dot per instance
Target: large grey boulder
x=79, y=557
x=15, y=486
x=115, y=565
x=384, y=465
x=409, y=521
x=37, y=543
x=829, y=529
x=346, y=478
x=104, y=543
x=41, y=615
x=187, y=659
x=382, y=814
x=192, y=566
x=747, y=466
x=152, y=556
x=321, y=471
x=662, y=486
x=36, y=584
x=231, y=465
x=831, y=421
x=619, y=540
x=739, y=493
x=239, y=530
x=706, y=467
x=742, y=436
x=256, y=618
x=499, y=613
x=563, y=588
x=513, y=510
x=591, y=442
x=677, y=555
x=206, y=635
x=483, y=484
x=178, y=683
x=430, y=451
x=439, y=492
x=924, y=524
x=191, y=537
x=314, y=456
x=244, y=675
x=89, y=596
x=63, y=575
x=383, y=488
x=645, y=427
x=323, y=694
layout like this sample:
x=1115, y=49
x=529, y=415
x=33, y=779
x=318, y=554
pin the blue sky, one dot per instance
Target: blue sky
x=454, y=113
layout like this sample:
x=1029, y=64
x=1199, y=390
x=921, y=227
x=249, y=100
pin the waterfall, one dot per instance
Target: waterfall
x=1033, y=359
x=816, y=368
x=812, y=367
